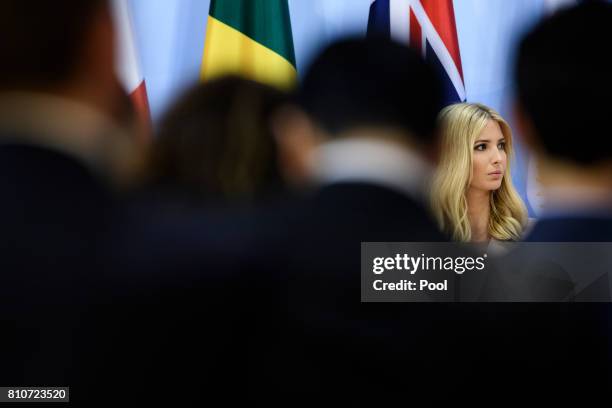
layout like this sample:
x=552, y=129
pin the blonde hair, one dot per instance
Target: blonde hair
x=460, y=125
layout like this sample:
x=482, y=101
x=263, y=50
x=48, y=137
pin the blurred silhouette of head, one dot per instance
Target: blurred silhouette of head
x=371, y=85
x=371, y=82
x=216, y=142
x=564, y=84
x=63, y=46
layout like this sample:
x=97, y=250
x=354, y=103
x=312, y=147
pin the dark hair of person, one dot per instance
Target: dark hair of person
x=372, y=82
x=216, y=142
x=563, y=82
x=40, y=41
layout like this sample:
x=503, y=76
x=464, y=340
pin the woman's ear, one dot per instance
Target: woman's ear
x=296, y=138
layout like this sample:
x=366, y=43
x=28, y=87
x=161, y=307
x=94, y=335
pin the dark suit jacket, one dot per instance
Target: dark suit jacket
x=317, y=338
x=569, y=343
x=319, y=341
x=575, y=228
x=53, y=213
x=120, y=302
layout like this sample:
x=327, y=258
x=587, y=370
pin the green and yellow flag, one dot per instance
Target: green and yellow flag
x=251, y=38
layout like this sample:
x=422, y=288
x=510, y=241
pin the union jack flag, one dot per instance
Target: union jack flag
x=429, y=27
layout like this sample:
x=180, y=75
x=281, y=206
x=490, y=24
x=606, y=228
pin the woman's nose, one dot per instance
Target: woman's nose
x=497, y=156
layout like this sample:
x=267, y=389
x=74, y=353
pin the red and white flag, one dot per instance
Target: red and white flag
x=428, y=26
x=128, y=61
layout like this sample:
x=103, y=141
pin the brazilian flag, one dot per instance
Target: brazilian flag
x=251, y=38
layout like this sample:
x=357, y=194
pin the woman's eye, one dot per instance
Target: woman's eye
x=481, y=147
x=502, y=146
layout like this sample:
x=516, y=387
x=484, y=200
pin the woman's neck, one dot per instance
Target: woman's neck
x=479, y=211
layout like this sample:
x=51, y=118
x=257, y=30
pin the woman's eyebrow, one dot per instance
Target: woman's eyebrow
x=489, y=140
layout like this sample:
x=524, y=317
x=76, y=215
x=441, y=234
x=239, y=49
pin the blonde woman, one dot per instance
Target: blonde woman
x=473, y=197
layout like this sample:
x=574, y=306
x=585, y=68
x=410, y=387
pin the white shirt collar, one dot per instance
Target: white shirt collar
x=576, y=200
x=67, y=126
x=372, y=161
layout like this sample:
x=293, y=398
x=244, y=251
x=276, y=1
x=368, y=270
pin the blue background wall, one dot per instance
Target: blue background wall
x=170, y=36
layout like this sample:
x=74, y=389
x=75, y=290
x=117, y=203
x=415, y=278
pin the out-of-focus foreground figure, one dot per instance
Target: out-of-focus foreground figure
x=111, y=301
x=359, y=143
x=215, y=145
x=61, y=154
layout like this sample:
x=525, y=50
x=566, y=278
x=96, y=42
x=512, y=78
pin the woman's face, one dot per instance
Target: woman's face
x=489, y=163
